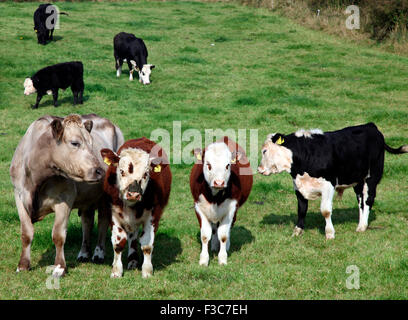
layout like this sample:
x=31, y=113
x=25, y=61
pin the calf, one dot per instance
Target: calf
x=59, y=76
x=322, y=163
x=138, y=183
x=132, y=50
x=44, y=23
x=220, y=182
x=57, y=167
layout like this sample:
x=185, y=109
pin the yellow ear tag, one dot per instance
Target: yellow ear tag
x=198, y=156
x=36, y=31
x=107, y=161
x=157, y=168
x=233, y=161
x=280, y=140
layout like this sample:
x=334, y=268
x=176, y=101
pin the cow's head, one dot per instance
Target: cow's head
x=217, y=160
x=133, y=168
x=276, y=157
x=72, y=155
x=144, y=73
x=29, y=86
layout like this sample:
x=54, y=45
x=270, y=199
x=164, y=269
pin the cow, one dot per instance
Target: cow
x=59, y=76
x=133, y=50
x=138, y=183
x=220, y=183
x=321, y=163
x=44, y=22
x=57, y=167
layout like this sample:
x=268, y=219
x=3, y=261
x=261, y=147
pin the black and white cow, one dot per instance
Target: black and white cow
x=44, y=22
x=59, y=76
x=322, y=163
x=132, y=50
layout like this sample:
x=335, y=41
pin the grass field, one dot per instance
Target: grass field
x=263, y=72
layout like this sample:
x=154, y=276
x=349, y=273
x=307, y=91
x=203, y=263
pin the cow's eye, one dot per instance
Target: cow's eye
x=122, y=173
x=228, y=165
x=209, y=166
x=145, y=175
x=264, y=151
x=76, y=144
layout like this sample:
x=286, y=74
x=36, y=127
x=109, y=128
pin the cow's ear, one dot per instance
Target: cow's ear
x=152, y=66
x=278, y=139
x=88, y=125
x=110, y=157
x=57, y=129
x=198, y=154
x=236, y=156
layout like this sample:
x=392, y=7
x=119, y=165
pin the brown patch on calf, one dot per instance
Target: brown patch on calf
x=130, y=167
x=147, y=250
x=120, y=246
x=204, y=238
x=118, y=238
x=224, y=238
x=326, y=214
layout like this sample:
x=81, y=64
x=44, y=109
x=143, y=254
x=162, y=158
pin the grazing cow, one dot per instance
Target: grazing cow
x=322, y=163
x=59, y=76
x=220, y=183
x=132, y=50
x=138, y=184
x=57, y=167
x=44, y=23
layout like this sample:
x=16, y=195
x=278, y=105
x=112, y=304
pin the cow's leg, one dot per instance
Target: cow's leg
x=87, y=221
x=75, y=94
x=119, y=238
x=326, y=208
x=118, y=66
x=104, y=217
x=206, y=231
x=215, y=242
x=369, y=193
x=358, y=189
x=27, y=234
x=59, y=233
x=55, y=96
x=146, y=244
x=132, y=249
x=51, y=34
x=302, y=210
x=224, y=232
x=131, y=70
x=37, y=102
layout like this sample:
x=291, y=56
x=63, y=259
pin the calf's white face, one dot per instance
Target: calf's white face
x=217, y=165
x=29, y=87
x=275, y=158
x=144, y=74
x=133, y=174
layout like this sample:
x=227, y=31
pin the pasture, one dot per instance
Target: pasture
x=262, y=72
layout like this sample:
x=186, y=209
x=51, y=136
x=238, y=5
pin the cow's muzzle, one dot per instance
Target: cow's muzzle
x=134, y=192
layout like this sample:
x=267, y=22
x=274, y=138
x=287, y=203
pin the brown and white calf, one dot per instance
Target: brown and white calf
x=57, y=167
x=138, y=182
x=220, y=182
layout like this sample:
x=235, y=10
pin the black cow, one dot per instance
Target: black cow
x=44, y=23
x=133, y=50
x=321, y=163
x=59, y=76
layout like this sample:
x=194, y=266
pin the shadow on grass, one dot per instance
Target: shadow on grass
x=239, y=237
x=68, y=99
x=166, y=250
x=314, y=220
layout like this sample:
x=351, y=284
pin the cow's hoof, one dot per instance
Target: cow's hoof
x=22, y=269
x=98, y=260
x=297, y=232
x=58, y=271
x=222, y=261
x=132, y=265
x=116, y=275
x=147, y=271
x=204, y=260
x=34, y=107
x=329, y=236
x=361, y=228
x=82, y=258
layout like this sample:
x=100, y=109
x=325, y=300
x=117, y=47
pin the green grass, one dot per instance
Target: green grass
x=263, y=72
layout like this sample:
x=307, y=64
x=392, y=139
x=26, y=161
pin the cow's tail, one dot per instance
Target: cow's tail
x=400, y=150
